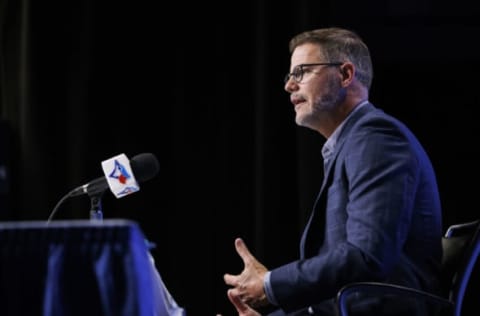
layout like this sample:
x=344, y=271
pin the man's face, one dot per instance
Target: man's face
x=319, y=90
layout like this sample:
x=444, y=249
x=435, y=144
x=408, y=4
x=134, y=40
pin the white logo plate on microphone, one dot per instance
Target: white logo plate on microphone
x=119, y=175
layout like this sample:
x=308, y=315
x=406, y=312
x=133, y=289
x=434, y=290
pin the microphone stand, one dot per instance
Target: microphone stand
x=96, y=206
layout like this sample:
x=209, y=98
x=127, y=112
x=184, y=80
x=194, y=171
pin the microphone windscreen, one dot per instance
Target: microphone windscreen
x=145, y=166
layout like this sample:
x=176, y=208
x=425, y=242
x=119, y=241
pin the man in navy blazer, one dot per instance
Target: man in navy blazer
x=377, y=216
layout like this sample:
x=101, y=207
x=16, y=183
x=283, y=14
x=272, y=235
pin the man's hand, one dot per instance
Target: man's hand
x=247, y=286
x=242, y=308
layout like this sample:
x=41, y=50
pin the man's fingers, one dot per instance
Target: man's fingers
x=237, y=302
x=230, y=279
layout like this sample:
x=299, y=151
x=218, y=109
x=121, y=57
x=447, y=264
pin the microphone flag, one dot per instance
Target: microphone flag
x=119, y=175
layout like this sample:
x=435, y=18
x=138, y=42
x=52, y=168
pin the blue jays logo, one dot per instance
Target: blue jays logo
x=120, y=173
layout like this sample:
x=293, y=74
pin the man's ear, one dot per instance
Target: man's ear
x=347, y=70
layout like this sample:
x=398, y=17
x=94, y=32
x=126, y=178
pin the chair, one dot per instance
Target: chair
x=461, y=250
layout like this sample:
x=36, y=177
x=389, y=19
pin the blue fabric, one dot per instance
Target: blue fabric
x=80, y=268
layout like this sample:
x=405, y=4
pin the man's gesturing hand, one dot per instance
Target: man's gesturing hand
x=248, y=285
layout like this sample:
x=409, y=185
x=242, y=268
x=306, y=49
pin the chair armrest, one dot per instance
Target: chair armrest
x=383, y=289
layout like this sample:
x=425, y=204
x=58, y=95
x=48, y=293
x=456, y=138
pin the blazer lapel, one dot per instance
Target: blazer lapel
x=317, y=217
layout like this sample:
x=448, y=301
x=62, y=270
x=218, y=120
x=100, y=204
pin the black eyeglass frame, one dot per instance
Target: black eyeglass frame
x=299, y=77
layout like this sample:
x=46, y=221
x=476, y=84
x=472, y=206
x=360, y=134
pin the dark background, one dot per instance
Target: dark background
x=200, y=85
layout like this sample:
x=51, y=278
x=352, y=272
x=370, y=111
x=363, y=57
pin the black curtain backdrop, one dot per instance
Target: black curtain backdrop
x=200, y=85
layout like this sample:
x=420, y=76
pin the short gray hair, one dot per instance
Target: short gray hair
x=340, y=45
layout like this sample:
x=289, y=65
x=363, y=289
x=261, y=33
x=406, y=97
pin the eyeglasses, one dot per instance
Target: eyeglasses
x=299, y=71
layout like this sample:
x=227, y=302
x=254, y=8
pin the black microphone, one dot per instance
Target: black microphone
x=144, y=167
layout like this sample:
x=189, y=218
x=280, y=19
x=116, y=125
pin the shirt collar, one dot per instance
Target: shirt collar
x=329, y=146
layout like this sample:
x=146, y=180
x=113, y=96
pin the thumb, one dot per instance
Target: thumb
x=243, y=251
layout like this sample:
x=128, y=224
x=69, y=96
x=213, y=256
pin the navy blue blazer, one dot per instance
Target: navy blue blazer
x=377, y=216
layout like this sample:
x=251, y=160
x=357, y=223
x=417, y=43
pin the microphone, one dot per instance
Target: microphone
x=144, y=167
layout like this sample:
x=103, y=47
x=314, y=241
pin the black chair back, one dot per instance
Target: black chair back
x=461, y=246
